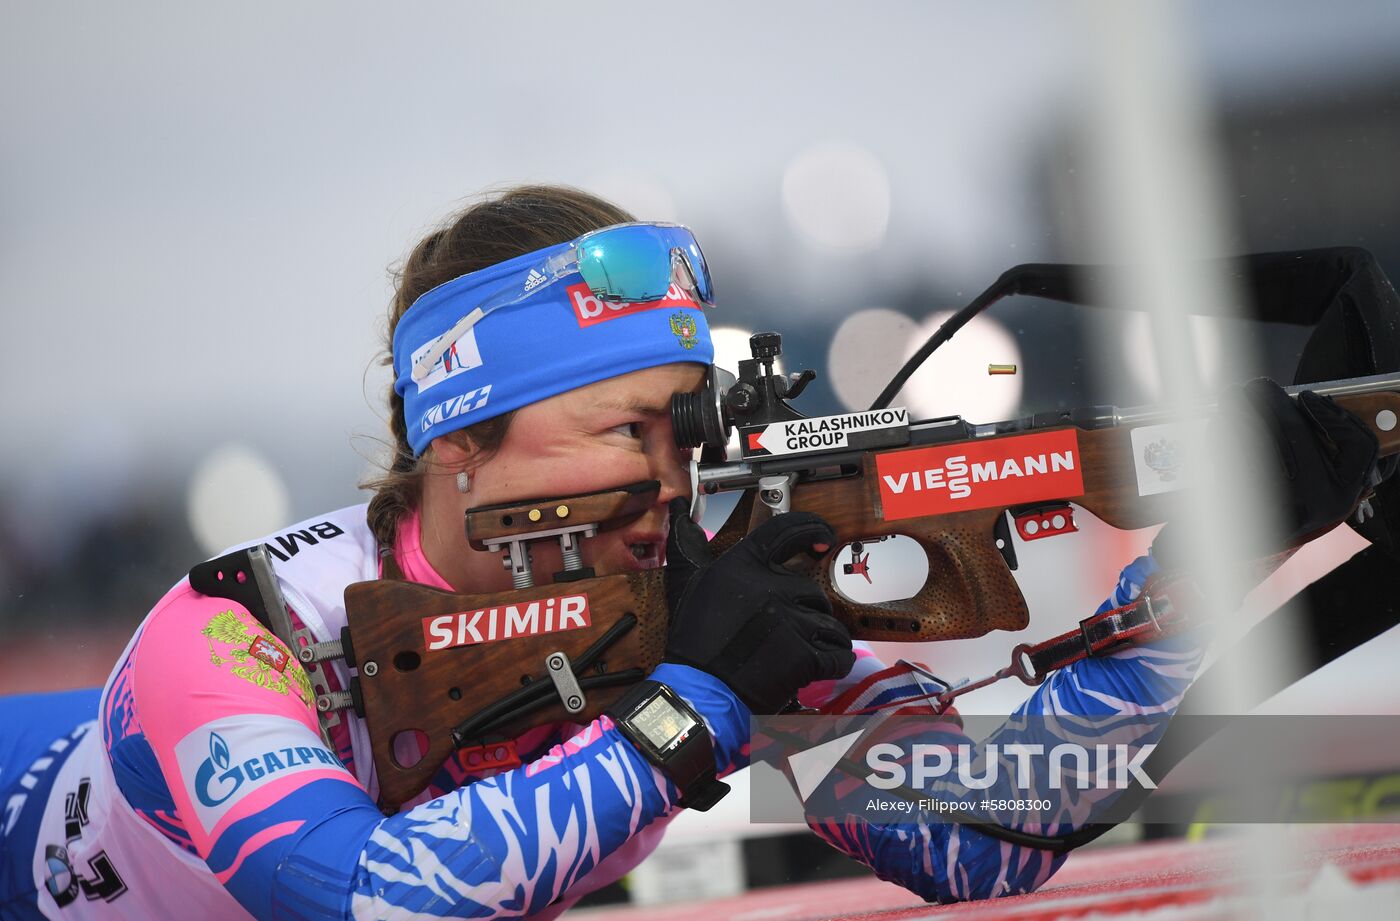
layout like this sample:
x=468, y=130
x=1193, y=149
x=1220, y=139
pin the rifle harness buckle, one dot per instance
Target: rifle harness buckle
x=228, y=577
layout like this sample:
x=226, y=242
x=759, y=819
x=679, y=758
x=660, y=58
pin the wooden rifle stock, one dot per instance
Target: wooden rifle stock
x=441, y=671
x=432, y=692
x=970, y=590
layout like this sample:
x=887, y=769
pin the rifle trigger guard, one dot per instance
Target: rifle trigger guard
x=556, y=664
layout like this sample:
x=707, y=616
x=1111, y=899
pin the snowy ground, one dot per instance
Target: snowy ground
x=1342, y=872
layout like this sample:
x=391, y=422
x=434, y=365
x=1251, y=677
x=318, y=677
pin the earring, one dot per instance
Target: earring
x=464, y=482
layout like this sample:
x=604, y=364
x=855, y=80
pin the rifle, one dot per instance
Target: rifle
x=435, y=664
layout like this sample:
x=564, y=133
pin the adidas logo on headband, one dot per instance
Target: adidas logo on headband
x=534, y=280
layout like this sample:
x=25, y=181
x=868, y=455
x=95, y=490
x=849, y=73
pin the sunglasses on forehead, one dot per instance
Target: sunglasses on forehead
x=624, y=263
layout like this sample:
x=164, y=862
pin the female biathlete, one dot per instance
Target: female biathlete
x=198, y=783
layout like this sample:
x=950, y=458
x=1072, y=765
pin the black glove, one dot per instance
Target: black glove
x=746, y=619
x=1321, y=458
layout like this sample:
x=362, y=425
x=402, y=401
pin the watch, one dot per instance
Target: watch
x=671, y=735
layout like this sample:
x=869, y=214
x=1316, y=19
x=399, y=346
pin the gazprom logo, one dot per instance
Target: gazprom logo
x=218, y=750
x=206, y=789
x=227, y=760
x=217, y=779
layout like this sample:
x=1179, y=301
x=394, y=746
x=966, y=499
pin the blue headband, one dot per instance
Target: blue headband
x=557, y=339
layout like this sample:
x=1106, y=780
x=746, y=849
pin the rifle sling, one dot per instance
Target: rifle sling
x=1155, y=613
x=1348, y=607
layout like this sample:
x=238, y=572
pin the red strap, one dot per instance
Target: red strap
x=1155, y=613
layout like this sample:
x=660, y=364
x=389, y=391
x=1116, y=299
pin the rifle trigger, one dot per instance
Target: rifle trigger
x=1001, y=537
x=565, y=681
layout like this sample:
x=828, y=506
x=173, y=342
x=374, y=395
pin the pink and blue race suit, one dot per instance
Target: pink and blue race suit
x=198, y=782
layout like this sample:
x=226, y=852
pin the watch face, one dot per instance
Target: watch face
x=660, y=723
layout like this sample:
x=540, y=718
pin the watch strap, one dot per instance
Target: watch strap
x=691, y=764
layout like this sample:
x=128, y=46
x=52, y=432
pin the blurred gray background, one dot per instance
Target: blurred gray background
x=199, y=205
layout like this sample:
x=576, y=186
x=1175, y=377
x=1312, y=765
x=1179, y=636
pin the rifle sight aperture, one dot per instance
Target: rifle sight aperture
x=756, y=397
